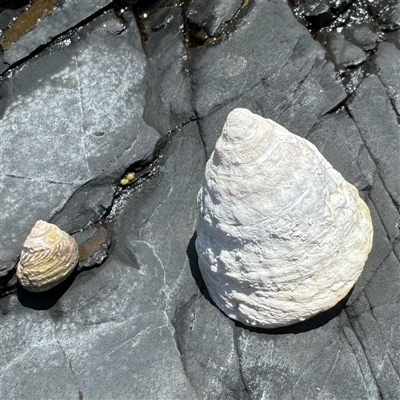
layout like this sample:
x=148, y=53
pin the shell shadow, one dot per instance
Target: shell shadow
x=191, y=252
x=44, y=300
x=305, y=326
x=310, y=324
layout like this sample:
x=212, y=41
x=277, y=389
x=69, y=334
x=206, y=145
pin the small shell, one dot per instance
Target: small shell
x=48, y=257
x=281, y=235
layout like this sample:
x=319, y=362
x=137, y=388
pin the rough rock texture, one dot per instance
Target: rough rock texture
x=103, y=333
x=64, y=16
x=343, y=53
x=320, y=13
x=365, y=36
x=387, y=13
x=68, y=118
x=387, y=58
x=288, y=83
x=210, y=15
x=373, y=99
x=168, y=95
x=280, y=239
x=93, y=244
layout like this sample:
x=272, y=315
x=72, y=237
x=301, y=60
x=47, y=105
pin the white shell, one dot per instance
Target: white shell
x=48, y=257
x=281, y=235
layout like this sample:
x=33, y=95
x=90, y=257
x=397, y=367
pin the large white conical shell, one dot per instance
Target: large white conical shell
x=281, y=235
x=48, y=257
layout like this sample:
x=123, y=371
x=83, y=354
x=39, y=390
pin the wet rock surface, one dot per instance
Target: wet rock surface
x=211, y=15
x=60, y=17
x=343, y=53
x=118, y=95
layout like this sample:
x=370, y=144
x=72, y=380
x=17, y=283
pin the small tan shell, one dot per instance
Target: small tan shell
x=48, y=257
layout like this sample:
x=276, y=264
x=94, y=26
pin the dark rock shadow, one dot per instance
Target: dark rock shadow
x=195, y=270
x=44, y=300
x=310, y=324
x=14, y=4
x=305, y=326
x=8, y=281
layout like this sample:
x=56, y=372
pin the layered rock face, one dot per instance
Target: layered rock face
x=282, y=236
x=96, y=102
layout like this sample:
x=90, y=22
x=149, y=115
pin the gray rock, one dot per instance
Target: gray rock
x=320, y=13
x=65, y=16
x=210, y=14
x=381, y=247
x=317, y=8
x=8, y=14
x=167, y=98
x=140, y=325
x=93, y=245
x=206, y=340
x=116, y=319
x=339, y=141
x=6, y=268
x=73, y=115
x=387, y=13
x=314, y=364
x=380, y=291
x=393, y=37
x=364, y=35
x=380, y=346
x=387, y=59
x=388, y=212
x=52, y=364
x=278, y=65
x=377, y=122
x=343, y=53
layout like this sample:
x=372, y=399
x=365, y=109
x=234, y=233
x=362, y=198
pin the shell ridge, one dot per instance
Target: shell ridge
x=48, y=257
x=281, y=235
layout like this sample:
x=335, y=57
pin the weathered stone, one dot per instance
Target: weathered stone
x=72, y=116
x=62, y=18
x=373, y=114
x=210, y=14
x=167, y=101
x=288, y=368
x=364, y=35
x=93, y=244
x=387, y=13
x=339, y=141
x=112, y=321
x=278, y=67
x=103, y=332
x=207, y=343
x=343, y=53
x=386, y=59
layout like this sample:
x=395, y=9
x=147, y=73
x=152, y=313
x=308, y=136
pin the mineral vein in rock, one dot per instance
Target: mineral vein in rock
x=281, y=235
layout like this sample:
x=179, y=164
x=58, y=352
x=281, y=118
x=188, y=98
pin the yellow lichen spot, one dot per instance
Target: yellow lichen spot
x=130, y=176
x=124, y=181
